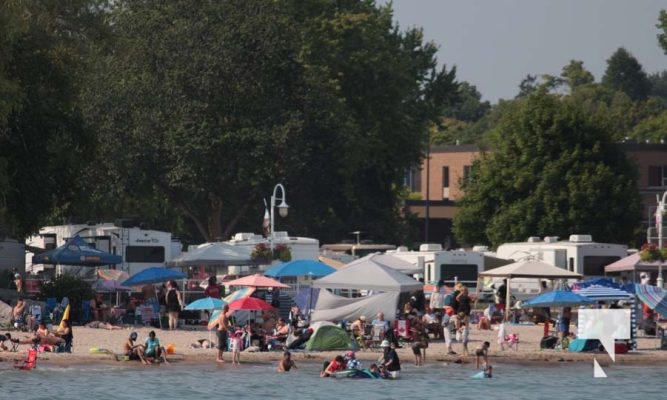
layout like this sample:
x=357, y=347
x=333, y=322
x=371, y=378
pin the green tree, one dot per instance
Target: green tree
x=624, y=73
x=469, y=106
x=204, y=106
x=662, y=25
x=552, y=170
x=43, y=142
x=575, y=75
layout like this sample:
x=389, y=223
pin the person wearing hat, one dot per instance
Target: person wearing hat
x=390, y=359
x=351, y=360
x=133, y=350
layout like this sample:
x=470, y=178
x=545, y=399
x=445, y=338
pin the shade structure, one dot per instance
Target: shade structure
x=603, y=293
x=207, y=303
x=214, y=253
x=632, y=262
x=153, y=275
x=238, y=294
x=387, y=260
x=110, y=286
x=370, y=277
x=300, y=268
x=257, y=280
x=530, y=269
x=653, y=296
x=250, y=304
x=557, y=298
x=77, y=251
x=112, y=274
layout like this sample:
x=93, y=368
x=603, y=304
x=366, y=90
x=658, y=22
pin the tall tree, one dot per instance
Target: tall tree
x=208, y=105
x=624, y=73
x=552, y=170
x=575, y=75
x=662, y=25
x=43, y=143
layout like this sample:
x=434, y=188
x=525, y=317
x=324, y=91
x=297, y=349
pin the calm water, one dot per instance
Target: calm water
x=260, y=381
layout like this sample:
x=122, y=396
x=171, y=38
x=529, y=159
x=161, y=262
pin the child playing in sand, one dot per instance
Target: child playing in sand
x=236, y=342
x=483, y=353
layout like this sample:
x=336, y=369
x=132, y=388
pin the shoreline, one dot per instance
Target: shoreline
x=528, y=352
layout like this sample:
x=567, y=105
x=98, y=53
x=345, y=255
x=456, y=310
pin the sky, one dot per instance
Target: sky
x=496, y=43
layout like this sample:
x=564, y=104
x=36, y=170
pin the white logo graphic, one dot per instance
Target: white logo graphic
x=606, y=326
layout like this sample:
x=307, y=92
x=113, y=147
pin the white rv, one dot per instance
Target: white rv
x=579, y=254
x=451, y=266
x=300, y=247
x=140, y=248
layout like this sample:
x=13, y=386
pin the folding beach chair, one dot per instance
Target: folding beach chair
x=30, y=361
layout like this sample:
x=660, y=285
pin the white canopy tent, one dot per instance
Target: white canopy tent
x=371, y=276
x=331, y=307
x=214, y=253
x=387, y=260
x=528, y=268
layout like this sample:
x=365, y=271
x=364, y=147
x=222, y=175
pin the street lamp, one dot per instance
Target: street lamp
x=662, y=207
x=282, y=209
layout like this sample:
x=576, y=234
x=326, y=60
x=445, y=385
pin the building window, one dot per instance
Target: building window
x=445, y=182
x=657, y=176
x=467, y=171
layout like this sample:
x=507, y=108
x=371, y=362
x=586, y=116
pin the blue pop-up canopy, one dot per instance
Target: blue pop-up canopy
x=77, y=251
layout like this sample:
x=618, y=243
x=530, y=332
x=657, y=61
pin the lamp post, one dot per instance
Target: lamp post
x=662, y=207
x=282, y=209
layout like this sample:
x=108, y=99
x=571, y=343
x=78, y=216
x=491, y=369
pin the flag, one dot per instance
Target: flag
x=266, y=224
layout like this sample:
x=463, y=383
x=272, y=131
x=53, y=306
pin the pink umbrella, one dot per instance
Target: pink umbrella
x=250, y=303
x=257, y=280
x=112, y=274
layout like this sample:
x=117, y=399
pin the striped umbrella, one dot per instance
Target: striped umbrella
x=112, y=274
x=603, y=293
x=653, y=296
x=239, y=294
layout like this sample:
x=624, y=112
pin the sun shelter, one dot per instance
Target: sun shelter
x=78, y=252
x=215, y=253
x=632, y=263
x=387, y=260
x=528, y=268
x=331, y=307
x=370, y=276
x=330, y=337
x=603, y=293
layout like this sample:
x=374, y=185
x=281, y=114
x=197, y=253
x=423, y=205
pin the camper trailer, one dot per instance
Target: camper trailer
x=579, y=254
x=140, y=248
x=451, y=266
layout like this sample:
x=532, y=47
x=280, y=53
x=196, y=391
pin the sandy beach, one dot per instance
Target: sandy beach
x=85, y=339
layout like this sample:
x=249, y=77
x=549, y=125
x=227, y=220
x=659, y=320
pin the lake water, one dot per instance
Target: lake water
x=260, y=381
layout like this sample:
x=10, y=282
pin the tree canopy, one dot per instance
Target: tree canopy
x=553, y=170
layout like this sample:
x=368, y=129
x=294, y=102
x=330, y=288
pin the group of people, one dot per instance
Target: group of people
x=151, y=349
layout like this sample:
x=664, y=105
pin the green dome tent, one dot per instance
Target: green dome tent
x=329, y=337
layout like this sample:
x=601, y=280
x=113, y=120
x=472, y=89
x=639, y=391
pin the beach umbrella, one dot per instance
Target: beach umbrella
x=603, y=293
x=153, y=275
x=238, y=294
x=653, y=296
x=112, y=274
x=300, y=268
x=557, y=298
x=250, y=304
x=257, y=280
x=207, y=303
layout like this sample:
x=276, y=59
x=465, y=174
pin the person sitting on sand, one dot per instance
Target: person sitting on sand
x=202, y=344
x=482, y=353
x=103, y=325
x=133, y=350
x=153, y=348
x=286, y=363
x=65, y=333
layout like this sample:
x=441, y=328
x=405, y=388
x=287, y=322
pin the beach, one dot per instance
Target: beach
x=109, y=344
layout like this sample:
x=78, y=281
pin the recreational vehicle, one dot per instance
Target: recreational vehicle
x=450, y=266
x=579, y=254
x=300, y=247
x=140, y=248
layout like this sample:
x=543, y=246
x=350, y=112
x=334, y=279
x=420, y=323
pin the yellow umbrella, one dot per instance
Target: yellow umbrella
x=65, y=316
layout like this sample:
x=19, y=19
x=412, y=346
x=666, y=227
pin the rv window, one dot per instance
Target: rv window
x=466, y=273
x=144, y=254
x=594, y=265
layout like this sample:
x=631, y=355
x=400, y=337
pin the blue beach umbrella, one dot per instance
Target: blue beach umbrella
x=300, y=268
x=557, y=298
x=153, y=275
x=207, y=303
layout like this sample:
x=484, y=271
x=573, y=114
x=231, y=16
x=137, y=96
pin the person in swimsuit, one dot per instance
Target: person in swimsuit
x=133, y=350
x=223, y=326
x=286, y=363
x=483, y=354
x=174, y=300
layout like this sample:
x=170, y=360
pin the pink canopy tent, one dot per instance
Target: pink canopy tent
x=632, y=263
